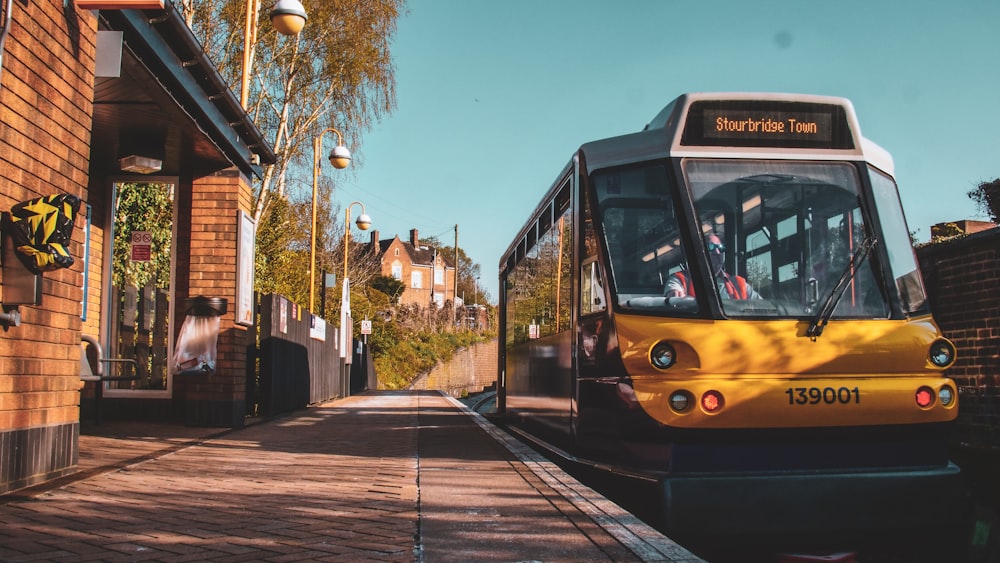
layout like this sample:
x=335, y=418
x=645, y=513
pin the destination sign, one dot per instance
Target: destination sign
x=767, y=124
x=729, y=124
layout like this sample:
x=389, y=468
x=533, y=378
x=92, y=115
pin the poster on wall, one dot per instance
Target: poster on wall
x=244, y=268
x=317, y=328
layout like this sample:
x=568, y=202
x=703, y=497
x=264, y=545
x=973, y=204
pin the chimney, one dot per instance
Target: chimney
x=414, y=240
x=375, y=245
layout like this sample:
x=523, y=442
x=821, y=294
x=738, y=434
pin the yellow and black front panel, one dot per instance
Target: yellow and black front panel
x=768, y=374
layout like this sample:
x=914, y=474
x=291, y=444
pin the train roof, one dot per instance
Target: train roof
x=664, y=136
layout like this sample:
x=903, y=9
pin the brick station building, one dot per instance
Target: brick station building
x=81, y=91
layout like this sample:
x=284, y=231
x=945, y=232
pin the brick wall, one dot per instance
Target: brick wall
x=470, y=370
x=46, y=99
x=207, y=253
x=963, y=278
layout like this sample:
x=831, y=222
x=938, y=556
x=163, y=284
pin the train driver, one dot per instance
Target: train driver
x=734, y=286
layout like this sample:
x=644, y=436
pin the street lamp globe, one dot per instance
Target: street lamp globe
x=288, y=17
x=340, y=157
x=363, y=222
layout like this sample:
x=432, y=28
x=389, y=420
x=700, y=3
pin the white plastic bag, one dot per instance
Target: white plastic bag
x=196, y=346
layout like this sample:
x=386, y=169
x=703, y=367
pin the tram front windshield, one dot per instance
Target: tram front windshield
x=790, y=237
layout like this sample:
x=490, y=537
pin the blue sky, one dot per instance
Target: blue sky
x=494, y=97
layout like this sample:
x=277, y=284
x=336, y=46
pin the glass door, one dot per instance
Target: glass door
x=142, y=272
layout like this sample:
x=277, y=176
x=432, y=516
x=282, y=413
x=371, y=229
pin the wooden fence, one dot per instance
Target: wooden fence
x=294, y=364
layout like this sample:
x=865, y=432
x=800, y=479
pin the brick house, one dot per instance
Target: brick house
x=428, y=275
x=86, y=95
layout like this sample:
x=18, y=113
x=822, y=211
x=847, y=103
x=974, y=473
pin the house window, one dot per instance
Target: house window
x=397, y=252
x=438, y=276
x=416, y=280
x=397, y=270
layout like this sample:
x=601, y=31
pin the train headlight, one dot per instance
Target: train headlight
x=712, y=401
x=942, y=353
x=925, y=397
x=946, y=396
x=680, y=401
x=662, y=356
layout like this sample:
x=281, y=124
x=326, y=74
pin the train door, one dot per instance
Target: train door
x=593, y=300
x=596, y=388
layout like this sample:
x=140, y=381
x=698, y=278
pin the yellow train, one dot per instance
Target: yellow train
x=728, y=302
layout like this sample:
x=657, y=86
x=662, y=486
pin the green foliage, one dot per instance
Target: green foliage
x=389, y=286
x=987, y=199
x=468, y=271
x=401, y=348
x=409, y=357
x=143, y=207
x=281, y=262
x=946, y=231
x=283, y=252
x=366, y=303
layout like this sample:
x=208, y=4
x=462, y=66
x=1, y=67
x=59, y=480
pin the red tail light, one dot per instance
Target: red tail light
x=925, y=397
x=712, y=401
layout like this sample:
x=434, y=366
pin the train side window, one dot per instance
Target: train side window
x=564, y=281
x=902, y=260
x=563, y=200
x=545, y=221
x=635, y=206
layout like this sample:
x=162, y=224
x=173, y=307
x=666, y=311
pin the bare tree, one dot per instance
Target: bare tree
x=337, y=72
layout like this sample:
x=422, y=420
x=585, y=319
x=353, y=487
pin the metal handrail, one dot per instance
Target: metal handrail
x=98, y=375
x=101, y=360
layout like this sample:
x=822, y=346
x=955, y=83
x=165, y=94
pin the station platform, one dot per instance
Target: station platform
x=382, y=476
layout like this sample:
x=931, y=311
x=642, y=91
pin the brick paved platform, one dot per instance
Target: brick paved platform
x=384, y=476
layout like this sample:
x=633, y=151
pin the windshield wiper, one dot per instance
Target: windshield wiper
x=833, y=298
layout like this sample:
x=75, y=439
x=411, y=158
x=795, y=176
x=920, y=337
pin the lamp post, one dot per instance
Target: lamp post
x=288, y=17
x=340, y=157
x=363, y=222
x=346, y=326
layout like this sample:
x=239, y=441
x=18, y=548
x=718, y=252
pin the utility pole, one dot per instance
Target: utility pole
x=432, y=306
x=454, y=297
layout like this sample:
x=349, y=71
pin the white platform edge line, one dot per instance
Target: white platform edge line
x=644, y=540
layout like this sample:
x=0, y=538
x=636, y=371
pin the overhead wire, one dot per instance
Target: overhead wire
x=385, y=209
